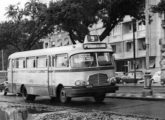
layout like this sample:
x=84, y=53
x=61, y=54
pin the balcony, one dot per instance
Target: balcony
x=129, y=36
x=141, y=53
x=141, y=34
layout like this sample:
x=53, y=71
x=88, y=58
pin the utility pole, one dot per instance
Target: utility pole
x=134, y=48
x=148, y=83
x=2, y=59
x=147, y=32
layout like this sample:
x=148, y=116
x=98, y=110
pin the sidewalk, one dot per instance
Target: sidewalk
x=133, y=91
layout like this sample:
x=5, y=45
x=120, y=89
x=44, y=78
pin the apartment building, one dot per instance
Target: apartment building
x=121, y=39
x=56, y=40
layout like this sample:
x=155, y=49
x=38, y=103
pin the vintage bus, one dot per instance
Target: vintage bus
x=86, y=69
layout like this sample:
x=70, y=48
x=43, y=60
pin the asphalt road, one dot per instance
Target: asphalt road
x=155, y=109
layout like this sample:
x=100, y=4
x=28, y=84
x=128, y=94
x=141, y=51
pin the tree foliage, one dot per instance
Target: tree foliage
x=77, y=16
x=26, y=27
x=159, y=8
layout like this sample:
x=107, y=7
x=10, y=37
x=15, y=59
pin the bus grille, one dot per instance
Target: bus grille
x=98, y=79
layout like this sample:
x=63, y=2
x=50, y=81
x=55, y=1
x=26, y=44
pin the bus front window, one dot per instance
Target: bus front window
x=104, y=59
x=83, y=60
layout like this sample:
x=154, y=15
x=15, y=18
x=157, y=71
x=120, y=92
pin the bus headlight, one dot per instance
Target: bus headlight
x=81, y=83
x=112, y=80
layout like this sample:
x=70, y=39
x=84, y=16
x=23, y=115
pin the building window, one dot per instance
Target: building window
x=66, y=42
x=152, y=63
x=59, y=42
x=141, y=26
x=117, y=47
x=117, y=30
x=127, y=27
x=114, y=48
x=141, y=44
x=132, y=64
x=53, y=44
x=46, y=45
x=129, y=46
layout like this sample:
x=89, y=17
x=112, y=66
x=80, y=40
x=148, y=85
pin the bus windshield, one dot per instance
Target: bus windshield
x=92, y=59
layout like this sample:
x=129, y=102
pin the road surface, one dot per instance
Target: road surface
x=154, y=109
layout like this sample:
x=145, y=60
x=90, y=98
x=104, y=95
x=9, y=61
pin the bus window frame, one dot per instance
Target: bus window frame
x=23, y=63
x=9, y=63
x=46, y=61
x=34, y=64
x=97, y=64
x=111, y=59
x=82, y=53
x=55, y=60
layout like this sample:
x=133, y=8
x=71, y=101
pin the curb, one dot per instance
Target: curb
x=136, y=96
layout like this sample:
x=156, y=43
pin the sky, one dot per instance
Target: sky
x=5, y=3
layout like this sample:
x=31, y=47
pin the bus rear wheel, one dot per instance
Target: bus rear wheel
x=26, y=96
x=99, y=98
x=63, y=97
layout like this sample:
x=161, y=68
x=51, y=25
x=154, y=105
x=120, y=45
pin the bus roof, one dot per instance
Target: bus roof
x=71, y=49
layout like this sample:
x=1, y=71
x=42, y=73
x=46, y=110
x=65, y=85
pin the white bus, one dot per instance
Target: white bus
x=63, y=72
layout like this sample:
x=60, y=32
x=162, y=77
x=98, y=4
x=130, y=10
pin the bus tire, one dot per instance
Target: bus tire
x=62, y=96
x=99, y=98
x=5, y=91
x=26, y=96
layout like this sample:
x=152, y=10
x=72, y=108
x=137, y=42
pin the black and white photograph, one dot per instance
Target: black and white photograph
x=82, y=59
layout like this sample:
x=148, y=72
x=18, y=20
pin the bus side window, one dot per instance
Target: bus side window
x=42, y=62
x=61, y=60
x=53, y=60
x=31, y=62
x=22, y=63
x=13, y=63
x=9, y=63
x=17, y=63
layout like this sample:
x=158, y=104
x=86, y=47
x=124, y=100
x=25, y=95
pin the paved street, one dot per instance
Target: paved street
x=136, y=91
x=147, y=108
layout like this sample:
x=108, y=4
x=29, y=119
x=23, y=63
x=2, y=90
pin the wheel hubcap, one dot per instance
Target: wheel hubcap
x=63, y=96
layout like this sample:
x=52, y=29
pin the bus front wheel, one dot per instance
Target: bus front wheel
x=63, y=97
x=99, y=98
x=26, y=96
x=5, y=91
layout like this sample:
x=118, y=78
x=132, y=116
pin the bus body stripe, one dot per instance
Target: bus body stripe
x=85, y=69
x=66, y=70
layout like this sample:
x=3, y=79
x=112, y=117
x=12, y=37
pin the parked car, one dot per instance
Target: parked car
x=3, y=85
x=129, y=77
x=156, y=78
x=118, y=76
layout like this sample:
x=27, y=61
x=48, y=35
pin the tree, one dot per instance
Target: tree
x=26, y=27
x=159, y=8
x=77, y=16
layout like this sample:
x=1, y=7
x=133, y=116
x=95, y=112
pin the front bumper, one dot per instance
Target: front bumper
x=89, y=90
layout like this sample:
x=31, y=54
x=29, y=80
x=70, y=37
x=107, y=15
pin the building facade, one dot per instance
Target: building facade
x=56, y=40
x=121, y=39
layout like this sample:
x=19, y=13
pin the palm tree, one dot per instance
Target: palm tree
x=34, y=8
x=14, y=12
